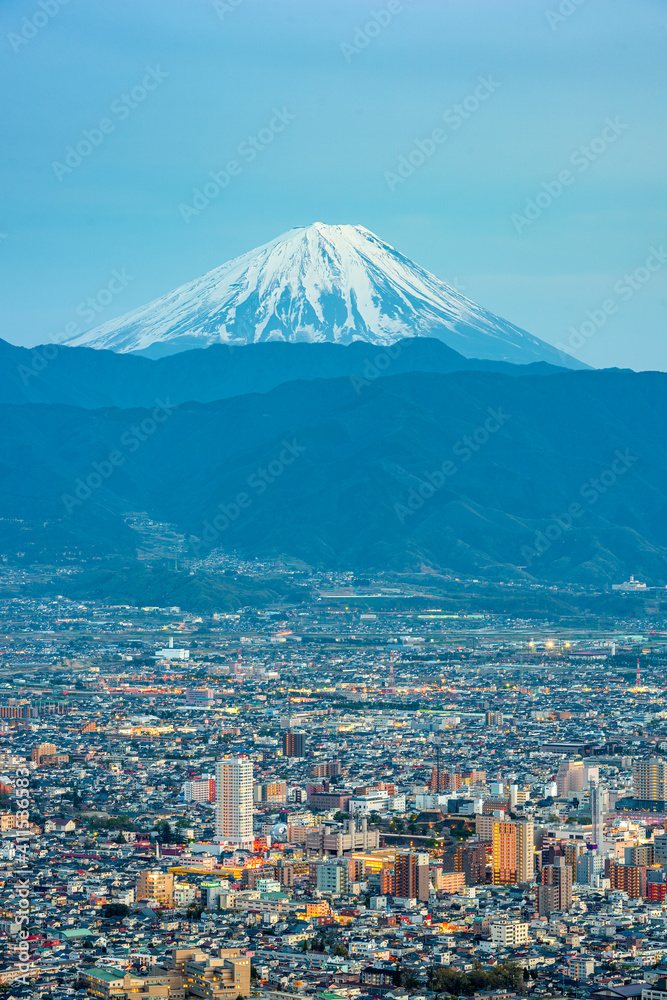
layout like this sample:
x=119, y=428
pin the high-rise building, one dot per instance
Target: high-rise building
x=285, y=873
x=590, y=867
x=356, y=869
x=233, y=797
x=467, y=858
x=627, y=878
x=651, y=779
x=572, y=853
x=596, y=792
x=412, y=876
x=555, y=892
x=387, y=880
x=503, y=858
x=641, y=855
x=293, y=744
x=484, y=826
x=525, y=850
x=156, y=885
x=660, y=849
x=570, y=777
x=548, y=899
x=443, y=780
x=513, y=852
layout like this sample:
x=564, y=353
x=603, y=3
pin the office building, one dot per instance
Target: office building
x=293, y=744
x=115, y=984
x=265, y=884
x=330, y=800
x=171, y=653
x=412, y=876
x=377, y=800
x=472, y=776
x=233, y=797
x=185, y=894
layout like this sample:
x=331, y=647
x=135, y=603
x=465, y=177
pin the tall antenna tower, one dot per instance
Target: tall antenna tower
x=392, y=679
x=638, y=681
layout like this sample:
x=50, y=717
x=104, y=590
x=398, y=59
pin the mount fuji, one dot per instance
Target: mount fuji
x=314, y=284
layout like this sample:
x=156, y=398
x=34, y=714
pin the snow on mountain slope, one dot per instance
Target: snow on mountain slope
x=320, y=283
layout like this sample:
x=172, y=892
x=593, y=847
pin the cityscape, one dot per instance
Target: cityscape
x=322, y=800
x=333, y=500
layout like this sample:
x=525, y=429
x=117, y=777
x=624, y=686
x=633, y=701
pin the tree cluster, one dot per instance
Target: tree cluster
x=507, y=976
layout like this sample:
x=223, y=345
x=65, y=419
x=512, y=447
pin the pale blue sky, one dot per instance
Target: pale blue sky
x=356, y=114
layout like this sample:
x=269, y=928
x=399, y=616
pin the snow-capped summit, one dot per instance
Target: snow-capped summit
x=318, y=283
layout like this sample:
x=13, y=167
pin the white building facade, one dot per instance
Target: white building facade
x=233, y=800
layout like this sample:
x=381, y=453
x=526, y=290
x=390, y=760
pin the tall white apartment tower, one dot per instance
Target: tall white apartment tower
x=233, y=800
x=597, y=814
x=525, y=850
